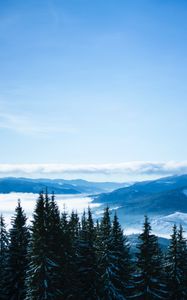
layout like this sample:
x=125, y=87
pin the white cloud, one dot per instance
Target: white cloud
x=127, y=168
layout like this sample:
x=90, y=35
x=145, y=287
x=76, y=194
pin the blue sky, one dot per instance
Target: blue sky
x=93, y=82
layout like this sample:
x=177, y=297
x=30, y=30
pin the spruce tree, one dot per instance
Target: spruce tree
x=182, y=262
x=54, y=246
x=72, y=260
x=17, y=256
x=149, y=280
x=65, y=255
x=86, y=260
x=121, y=264
x=103, y=246
x=71, y=255
x=42, y=275
x=176, y=266
x=112, y=287
x=4, y=242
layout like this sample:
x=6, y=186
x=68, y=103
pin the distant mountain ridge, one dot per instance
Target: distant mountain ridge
x=58, y=186
x=134, y=241
x=162, y=196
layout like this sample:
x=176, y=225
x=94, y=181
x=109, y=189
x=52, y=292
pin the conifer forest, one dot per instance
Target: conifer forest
x=62, y=257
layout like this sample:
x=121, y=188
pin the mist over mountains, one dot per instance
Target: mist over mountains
x=161, y=197
x=163, y=200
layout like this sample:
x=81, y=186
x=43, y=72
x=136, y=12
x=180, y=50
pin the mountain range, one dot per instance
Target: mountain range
x=163, y=200
x=58, y=186
x=163, y=196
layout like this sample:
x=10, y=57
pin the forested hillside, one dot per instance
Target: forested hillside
x=156, y=197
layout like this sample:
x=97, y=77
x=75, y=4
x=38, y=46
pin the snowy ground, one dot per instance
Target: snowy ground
x=163, y=225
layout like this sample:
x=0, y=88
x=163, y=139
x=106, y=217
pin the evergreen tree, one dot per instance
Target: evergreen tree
x=112, y=287
x=4, y=242
x=103, y=244
x=17, y=256
x=172, y=266
x=149, y=278
x=86, y=260
x=42, y=275
x=121, y=264
x=54, y=246
x=74, y=226
x=65, y=255
x=176, y=266
x=182, y=262
x=72, y=260
x=71, y=255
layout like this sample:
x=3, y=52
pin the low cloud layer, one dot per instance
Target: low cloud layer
x=127, y=168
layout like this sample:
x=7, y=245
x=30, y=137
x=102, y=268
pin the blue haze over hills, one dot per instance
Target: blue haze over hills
x=163, y=200
x=163, y=196
x=58, y=186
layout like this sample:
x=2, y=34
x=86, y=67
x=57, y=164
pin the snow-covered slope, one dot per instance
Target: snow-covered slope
x=163, y=225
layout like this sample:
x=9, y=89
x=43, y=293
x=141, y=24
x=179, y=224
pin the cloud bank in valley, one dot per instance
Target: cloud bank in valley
x=126, y=168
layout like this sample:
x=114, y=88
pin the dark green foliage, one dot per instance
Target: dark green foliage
x=71, y=256
x=182, y=262
x=38, y=272
x=17, y=256
x=44, y=271
x=86, y=260
x=103, y=253
x=68, y=259
x=177, y=266
x=182, y=258
x=65, y=254
x=149, y=277
x=114, y=259
x=121, y=260
x=54, y=245
x=4, y=242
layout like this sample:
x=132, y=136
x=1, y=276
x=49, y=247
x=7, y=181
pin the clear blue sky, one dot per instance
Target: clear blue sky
x=93, y=81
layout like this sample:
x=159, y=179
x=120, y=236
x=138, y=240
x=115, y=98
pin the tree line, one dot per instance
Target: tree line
x=62, y=257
